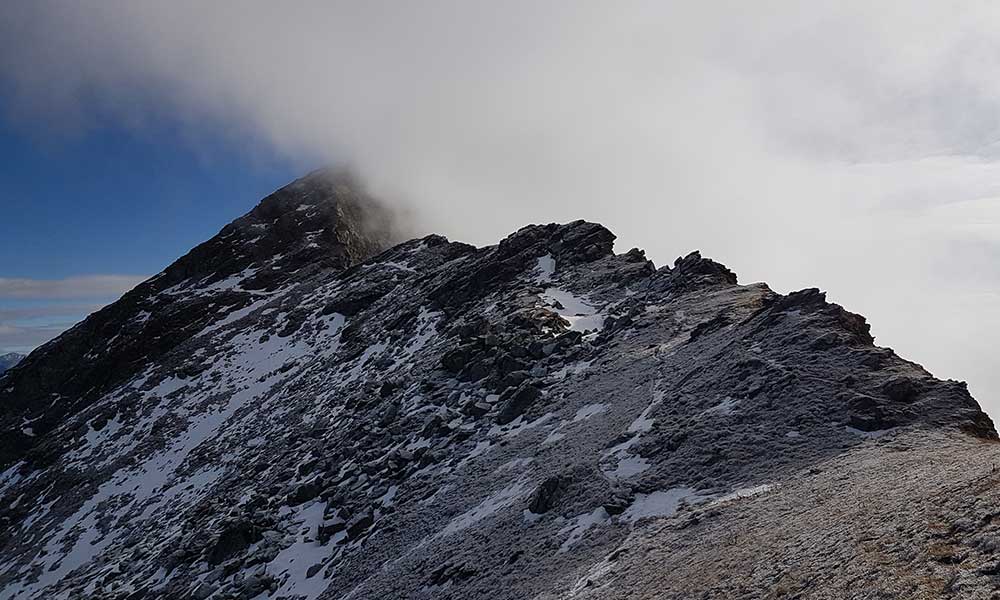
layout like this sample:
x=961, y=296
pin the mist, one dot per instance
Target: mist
x=851, y=146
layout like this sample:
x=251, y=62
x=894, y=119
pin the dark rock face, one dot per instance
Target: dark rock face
x=234, y=538
x=547, y=494
x=297, y=410
x=516, y=402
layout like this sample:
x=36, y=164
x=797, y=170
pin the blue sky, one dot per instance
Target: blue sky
x=114, y=201
x=78, y=208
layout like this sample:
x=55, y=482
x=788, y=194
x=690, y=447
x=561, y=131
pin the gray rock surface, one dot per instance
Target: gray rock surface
x=298, y=410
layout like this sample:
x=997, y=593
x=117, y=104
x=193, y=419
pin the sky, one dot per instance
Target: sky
x=851, y=146
x=85, y=217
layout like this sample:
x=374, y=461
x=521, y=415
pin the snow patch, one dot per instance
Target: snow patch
x=722, y=408
x=518, y=426
x=488, y=507
x=746, y=492
x=402, y=266
x=545, y=268
x=664, y=503
x=570, y=369
x=291, y=565
x=630, y=466
x=579, y=526
x=589, y=411
x=643, y=423
x=580, y=315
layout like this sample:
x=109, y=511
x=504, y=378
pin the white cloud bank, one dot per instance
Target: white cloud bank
x=850, y=145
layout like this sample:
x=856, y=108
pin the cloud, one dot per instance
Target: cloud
x=25, y=339
x=849, y=145
x=46, y=310
x=34, y=311
x=87, y=286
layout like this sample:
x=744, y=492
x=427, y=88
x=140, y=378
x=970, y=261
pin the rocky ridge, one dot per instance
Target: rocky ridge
x=300, y=409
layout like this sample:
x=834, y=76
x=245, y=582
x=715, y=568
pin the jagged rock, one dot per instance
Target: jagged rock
x=313, y=570
x=359, y=524
x=514, y=402
x=477, y=408
x=203, y=591
x=234, y=538
x=512, y=379
x=450, y=573
x=456, y=359
x=901, y=389
x=618, y=503
x=547, y=495
x=304, y=492
x=326, y=531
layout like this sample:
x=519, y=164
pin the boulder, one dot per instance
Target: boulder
x=514, y=403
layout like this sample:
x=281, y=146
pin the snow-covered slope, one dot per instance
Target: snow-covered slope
x=297, y=410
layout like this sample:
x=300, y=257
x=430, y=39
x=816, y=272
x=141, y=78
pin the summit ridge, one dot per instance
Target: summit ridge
x=303, y=408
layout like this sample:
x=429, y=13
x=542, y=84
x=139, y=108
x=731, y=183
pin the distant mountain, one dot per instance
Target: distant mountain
x=9, y=360
x=301, y=409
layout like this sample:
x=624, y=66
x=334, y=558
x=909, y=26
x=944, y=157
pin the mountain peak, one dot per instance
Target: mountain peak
x=323, y=220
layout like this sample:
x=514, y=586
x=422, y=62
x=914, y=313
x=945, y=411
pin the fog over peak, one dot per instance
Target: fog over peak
x=851, y=146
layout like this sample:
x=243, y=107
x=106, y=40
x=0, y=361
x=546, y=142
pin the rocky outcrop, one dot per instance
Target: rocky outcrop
x=302, y=414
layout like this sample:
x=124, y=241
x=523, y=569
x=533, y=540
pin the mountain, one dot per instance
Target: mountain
x=302, y=408
x=9, y=360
